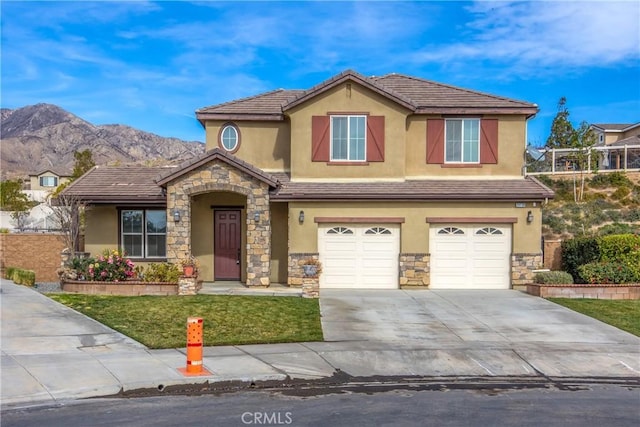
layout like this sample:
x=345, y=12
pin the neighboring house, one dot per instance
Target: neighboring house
x=622, y=142
x=618, y=134
x=44, y=182
x=389, y=181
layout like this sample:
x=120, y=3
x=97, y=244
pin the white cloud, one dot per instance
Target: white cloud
x=556, y=36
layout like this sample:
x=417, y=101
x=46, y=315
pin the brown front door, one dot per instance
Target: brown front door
x=226, y=246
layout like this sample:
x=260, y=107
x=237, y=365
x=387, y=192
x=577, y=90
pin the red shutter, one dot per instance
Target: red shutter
x=489, y=141
x=320, y=139
x=435, y=141
x=375, y=139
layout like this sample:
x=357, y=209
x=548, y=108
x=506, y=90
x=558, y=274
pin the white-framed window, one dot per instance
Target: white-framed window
x=462, y=141
x=348, y=138
x=229, y=138
x=48, y=181
x=144, y=233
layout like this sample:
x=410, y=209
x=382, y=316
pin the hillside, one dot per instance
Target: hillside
x=44, y=135
x=611, y=205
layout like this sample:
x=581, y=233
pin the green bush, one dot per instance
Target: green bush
x=8, y=272
x=162, y=272
x=553, y=277
x=577, y=252
x=632, y=215
x=621, y=193
x=608, y=273
x=613, y=179
x=618, y=228
x=24, y=277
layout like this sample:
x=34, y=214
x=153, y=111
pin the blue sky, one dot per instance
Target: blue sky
x=150, y=65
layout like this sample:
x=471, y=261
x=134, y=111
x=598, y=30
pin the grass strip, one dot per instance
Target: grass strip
x=160, y=321
x=623, y=314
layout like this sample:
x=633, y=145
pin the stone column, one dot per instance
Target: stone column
x=258, y=237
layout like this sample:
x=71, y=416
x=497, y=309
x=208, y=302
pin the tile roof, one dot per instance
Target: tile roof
x=612, y=126
x=111, y=184
x=632, y=140
x=419, y=95
x=426, y=94
x=266, y=104
x=140, y=185
x=215, y=154
x=55, y=171
x=421, y=190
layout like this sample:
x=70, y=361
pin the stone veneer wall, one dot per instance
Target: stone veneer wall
x=295, y=272
x=218, y=176
x=415, y=269
x=522, y=266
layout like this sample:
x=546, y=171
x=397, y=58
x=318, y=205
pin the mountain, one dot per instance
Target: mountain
x=44, y=135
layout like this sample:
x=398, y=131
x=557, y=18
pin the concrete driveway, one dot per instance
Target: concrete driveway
x=478, y=332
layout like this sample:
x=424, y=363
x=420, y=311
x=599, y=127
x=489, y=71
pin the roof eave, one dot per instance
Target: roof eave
x=529, y=111
x=203, y=117
x=410, y=198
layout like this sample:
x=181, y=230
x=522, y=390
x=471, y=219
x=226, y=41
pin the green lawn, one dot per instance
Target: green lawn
x=160, y=321
x=623, y=314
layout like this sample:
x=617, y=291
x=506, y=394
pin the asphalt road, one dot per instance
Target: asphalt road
x=371, y=404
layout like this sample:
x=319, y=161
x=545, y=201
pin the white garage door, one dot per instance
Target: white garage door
x=359, y=256
x=470, y=256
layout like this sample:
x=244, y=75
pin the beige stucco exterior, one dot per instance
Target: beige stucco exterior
x=414, y=236
x=262, y=144
x=353, y=99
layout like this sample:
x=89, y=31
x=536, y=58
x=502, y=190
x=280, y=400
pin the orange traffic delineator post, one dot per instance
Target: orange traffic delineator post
x=195, y=328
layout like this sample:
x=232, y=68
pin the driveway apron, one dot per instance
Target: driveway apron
x=475, y=332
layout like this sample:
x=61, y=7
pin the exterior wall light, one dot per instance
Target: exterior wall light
x=176, y=215
x=256, y=216
x=301, y=217
x=529, y=217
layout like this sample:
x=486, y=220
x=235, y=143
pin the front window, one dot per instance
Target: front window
x=48, y=181
x=144, y=233
x=462, y=137
x=348, y=138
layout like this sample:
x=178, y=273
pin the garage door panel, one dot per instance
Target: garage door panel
x=367, y=258
x=476, y=256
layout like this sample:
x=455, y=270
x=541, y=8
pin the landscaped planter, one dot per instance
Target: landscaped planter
x=127, y=288
x=596, y=291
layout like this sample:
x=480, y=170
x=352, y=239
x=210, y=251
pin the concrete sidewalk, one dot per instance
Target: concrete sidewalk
x=51, y=353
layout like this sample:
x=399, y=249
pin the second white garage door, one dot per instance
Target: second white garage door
x=470, y=256
x=359, y=256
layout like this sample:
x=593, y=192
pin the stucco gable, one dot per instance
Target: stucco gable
x=216, y=155
x=349, y=76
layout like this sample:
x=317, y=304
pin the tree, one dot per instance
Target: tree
x=583, y=157
x=84, y=162
x=67, y=211
x=580, y=141
x=11, y=196
x=561, y=128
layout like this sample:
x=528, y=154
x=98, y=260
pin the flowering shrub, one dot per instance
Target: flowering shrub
x=111, y=266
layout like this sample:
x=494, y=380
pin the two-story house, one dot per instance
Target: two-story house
x=44, y=182
x=390, y=181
